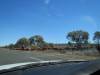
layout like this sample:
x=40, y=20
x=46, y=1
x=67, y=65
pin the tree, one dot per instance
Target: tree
x=11, y=46
x=37, y=40
x=69, y=43
x=96, y=38
x=22, y=42
x=47, y=46
x=51, y=45
x=78, y=37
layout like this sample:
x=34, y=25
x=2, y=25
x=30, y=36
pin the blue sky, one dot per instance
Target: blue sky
x=52, y=19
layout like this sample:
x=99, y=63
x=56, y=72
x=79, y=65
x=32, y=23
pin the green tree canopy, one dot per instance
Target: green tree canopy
x=37, y=40
x=96, y=37
x=78, y=36
x=22, y=42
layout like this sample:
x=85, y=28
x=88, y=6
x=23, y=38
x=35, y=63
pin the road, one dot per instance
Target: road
x=68, y=68
x=82, y=68
x=17, y=56
x=14, y=56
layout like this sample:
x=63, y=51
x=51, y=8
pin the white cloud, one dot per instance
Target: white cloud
x=47, y=1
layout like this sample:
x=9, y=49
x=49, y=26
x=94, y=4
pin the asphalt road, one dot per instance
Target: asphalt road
x=15, y=56
x=71, y=68
x=10, y=57
x=82, y=68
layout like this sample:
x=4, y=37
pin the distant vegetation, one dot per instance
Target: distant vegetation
x=77, y=40
x=96, y=38
x=78, y=37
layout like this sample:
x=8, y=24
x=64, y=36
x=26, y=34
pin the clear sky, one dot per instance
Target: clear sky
x=52, y=19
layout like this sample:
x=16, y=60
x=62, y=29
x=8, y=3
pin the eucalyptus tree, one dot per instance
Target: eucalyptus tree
x=22, y=42
x=96, y=38
x=37, y=40
x=78, y=37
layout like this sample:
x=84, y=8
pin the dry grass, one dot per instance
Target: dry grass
x=69, y=55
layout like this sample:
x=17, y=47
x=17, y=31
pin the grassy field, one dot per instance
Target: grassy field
x=70, y=55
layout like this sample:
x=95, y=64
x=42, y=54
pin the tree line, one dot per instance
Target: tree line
x=77, y=38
